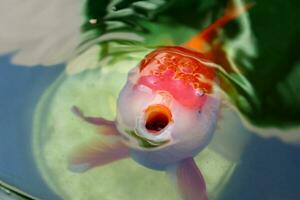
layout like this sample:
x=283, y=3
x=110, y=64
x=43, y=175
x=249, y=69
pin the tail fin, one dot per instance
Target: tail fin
x=201, y=41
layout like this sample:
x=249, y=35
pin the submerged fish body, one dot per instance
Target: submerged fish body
x=168, y=109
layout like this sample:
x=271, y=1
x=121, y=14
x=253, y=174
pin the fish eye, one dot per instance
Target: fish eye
x=200, y=93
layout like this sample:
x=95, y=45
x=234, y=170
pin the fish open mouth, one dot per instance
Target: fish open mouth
x=151, y=130
x=157, y=117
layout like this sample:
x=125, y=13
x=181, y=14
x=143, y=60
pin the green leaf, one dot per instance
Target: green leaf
x=275, y=75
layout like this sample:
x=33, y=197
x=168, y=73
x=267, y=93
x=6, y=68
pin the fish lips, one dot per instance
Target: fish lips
x=146, y=142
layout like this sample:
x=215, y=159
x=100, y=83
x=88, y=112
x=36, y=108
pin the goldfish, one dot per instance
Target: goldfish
x=167, y=112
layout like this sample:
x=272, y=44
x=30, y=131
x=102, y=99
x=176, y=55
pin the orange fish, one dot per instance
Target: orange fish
x=166, y=112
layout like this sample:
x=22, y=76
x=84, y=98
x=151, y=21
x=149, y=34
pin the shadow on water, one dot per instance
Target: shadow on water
x=269, y=171
x=20, y=90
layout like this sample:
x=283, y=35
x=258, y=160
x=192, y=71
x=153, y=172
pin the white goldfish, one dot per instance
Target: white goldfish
x=166, y=113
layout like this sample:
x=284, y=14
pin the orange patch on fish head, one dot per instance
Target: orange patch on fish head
x=185, y=74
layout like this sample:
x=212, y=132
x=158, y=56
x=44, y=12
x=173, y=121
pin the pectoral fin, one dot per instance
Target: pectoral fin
x=189, y=180
x=107, y=127
x=93, y=120
x=97, y=153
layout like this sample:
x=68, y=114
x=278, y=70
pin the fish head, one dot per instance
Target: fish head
x=158, y=110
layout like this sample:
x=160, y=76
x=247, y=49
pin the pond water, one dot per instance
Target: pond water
x=39, y=130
